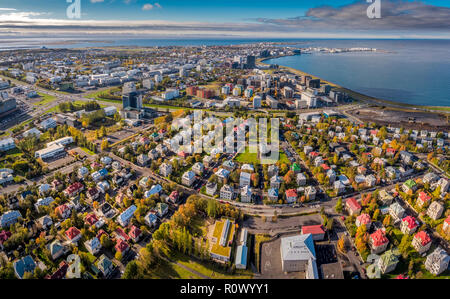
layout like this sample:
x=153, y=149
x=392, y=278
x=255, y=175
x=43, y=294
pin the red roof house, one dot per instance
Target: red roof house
x=91, y=219
x=353, y=206
x=291, y=195
x=421, y=242
x=121, y=246
x=408, y=225
x=135, y=233
x=378, y=241
x=73, y=234
x=316, y=231
x=423, y=199
x=363, y=219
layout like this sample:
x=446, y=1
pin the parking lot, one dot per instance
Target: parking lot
x=282, y=225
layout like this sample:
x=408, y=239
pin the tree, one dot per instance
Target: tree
x=118, y=256
x=104, y=145
x=341, y=244
x=338, y=207
x=387, y=221
x=132, y=271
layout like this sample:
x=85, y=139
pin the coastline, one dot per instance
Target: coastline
x=357, y=95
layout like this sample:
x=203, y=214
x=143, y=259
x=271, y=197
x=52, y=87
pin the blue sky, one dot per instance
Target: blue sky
x=295, y=18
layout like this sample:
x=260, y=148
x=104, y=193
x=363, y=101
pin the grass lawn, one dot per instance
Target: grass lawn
x=87, y=151
x=45, y=99
x=249, y=158
x=183, y=273
x=210, y=269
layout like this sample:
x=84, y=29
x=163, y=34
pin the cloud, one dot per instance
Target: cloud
x=147, y=7
x=395, y=15
x=97, y=1
x=400, y=19
x=7, y=9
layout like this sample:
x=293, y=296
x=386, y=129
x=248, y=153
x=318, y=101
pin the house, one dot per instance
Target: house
x=174, y=197
x=339, y=187
x=272, y=193
x=229, y=165
x=4, y=236
x=317, y=231
x=207, y=161
x=188, y=178
x=244, y=179
x=125, y=217
x=56, y=249
x=82, y=172
x=226, y=192
x=198, y=168
x=135, y=234
x=437, y=262
x=385, y=197
x=446, y=226
x=9, y=218
x=388, y=261
x=73, y=234
x=291, y=195
x=298, y=254
x=44, y=189
x=93, y=245
x=370, y=180
x=142, y=160
x=44, y=223
x=396, y=211
x=409, y=185
x=43, y=202
x=275, y=182
x=364, y=219
x=73, y=189
x=378, y=241
x=105, y=266
x=155, y=189
x=409, y=225
x=430, y=178
x=23, y=265
x=435, y=210
x=151, y=219
x=353, y=207
x=296, y=168
x=92, y=193
x=165, y=169
x=211, y=188
x=423, y=199
x=222, y=174
x=122, y=246
x=301, y=179
x=63, y=211
x=310, y=193
x=91, y=219
x=161, y=209
x=153, y=154
x=246, y=194
x=272, y=170
x=143, y=182
x=421, y=242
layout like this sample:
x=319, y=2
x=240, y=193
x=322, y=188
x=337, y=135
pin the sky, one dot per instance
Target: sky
x=227, y=18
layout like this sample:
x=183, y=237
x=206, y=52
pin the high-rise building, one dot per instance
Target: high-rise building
x=251, y=62
x=132, y=100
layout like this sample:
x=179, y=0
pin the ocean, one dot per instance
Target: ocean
x=407, y=71
x=411, y=71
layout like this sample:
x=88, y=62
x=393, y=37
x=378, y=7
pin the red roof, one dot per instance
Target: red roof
x=291, y=193
x=134, y=232
x=390, y=150
x=91, y=219
x=72, y=233
x=121, y=234
x=424, y=197
x=313, y=154
x=313, y=229
x=378, y=238
x=401, y=277
x=412, y=223
x=423, y=237
x=121, y=245
x=182, y=154
x=364, y=219
x=4, y=235
x=448, y=220
x=353, y=204
x=325, y=166
x=62, y=209
x=61, y=272
x=174, y=195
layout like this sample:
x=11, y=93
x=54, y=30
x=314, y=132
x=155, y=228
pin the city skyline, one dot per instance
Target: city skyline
x=251, y=19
